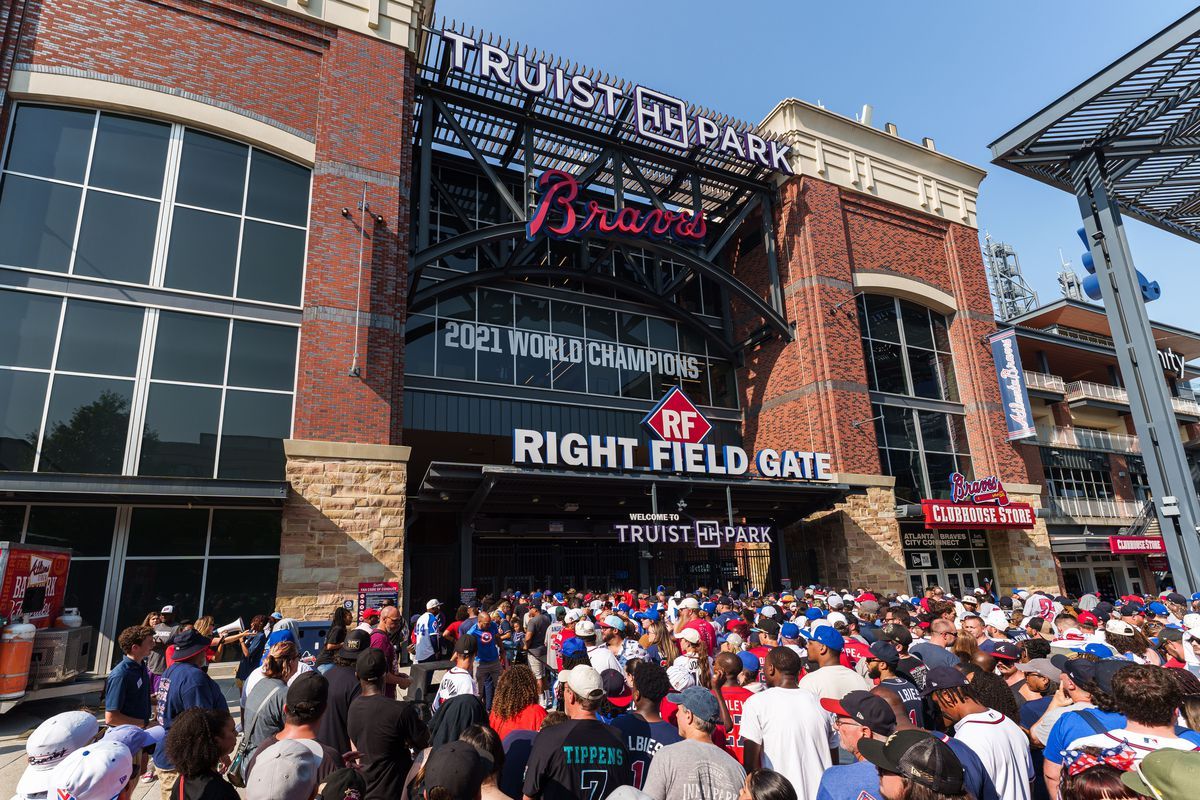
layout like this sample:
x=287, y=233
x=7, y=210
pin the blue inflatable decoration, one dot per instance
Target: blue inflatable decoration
x=1091, y=283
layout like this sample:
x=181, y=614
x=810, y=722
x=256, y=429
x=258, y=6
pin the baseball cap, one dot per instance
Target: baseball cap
x=699, y=701
x=1159, y=609
x=346, y=783
x=885, y=652
x=1080, y=670
x=1101, y=651
x=689, y=635
x=584, y=681
x=615, y=688
x=896, y=633
x=996, y=619
x=689, y=602
x=287, y=770
x=371, y=665
x=735, y=639
x=767, y=611
x=614, y=622
x=357, y=642
x=370, y=613
x=1166, y=774
x=1006, y=651
x=585, y=629
x=1118, y=626
x=573, y=615
x=709, y=608
x=96, y=772
x=770, y=627
x=750, y=662
x=970, y=599
x=466, y=645
x=308, y=690
x=1176, y=598
x=572, y=647
x=1043, y=667
x=1087, y=618
x=919, y=757
x=432, y=604
x=826, y=635
x=1170, y=635
x=167, y=610
x=1106, y=670
x=274, y=615
x=135, y=738
x=789, y=630
x=458, y=768
x=188, y=643
x=50, y=743
x=814, y=613
x=940, y=678
x=868, y=607
x=863, y=707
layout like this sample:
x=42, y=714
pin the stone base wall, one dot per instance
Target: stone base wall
x=857, y=542
x=343, y=523
x=1022, y=558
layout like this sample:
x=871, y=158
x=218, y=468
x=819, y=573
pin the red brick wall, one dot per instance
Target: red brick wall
x=812, y=392
x=348, y=93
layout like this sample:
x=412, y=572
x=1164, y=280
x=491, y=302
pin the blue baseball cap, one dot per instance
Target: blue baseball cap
x=1096, y=649
x=559, y=596
x=749, y=661
x=814, y=613
x=1159, y=609
x=1196, y=596
x=650, y=614
x=623, y=607
x=699, y=701
x=709, y=608
x=789, y=630
x=135, y=738
x=613, y=621
x=573, y=647
x=826, y=635
x=535, y=596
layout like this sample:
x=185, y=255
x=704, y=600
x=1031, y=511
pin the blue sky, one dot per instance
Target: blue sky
x=961, y=72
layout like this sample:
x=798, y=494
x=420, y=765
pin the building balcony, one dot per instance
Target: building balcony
x=1186, y=407
x=1084, y=439
x=1087, y=392
x=1041, y=382
x=1082, y=511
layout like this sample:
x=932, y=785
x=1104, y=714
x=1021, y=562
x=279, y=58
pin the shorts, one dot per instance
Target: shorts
x=537, y=663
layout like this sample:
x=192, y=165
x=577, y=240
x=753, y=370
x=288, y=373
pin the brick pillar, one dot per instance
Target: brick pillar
x=857, y=541
x=343, y=523
x=1061, y=413
x=1022, y=558
x=1118, y=469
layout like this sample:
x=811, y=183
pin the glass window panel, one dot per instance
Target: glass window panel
x=22, y=398
x=37, y=223
x=940, y=468
x=691, y=341
x=661, y=382
x=202, y=254
x=151, y=583
x=116, y=238
x=28, y=325
x=958, y=433
x=12, y=523
x=180, y=435
x=916, y=325
x=278, y=189
x=87, y=425
x=905, y=465
x=461, y=306
x=420, y=341
x=663, y=334
x=724, y=384
x=453, y=360
x=711, y=297
x=168, y=531
x=601, y=324
x=87, y=530
x=635, y=383
x=888, y=374
x=697, y=388
x=245, y=533
x=533, y=313
x=567, y=319
x=947, y=376
x=52, y=142
x=130, y=155
x=941, y=332
x=633, y=329
x=495, y=308
x=101, y=338
x=212, y=172
x=462, y=187
x=881, y=318
x=965, y=466
x=272, y=263
x=189, y=347
x=923, y=364
x=492, y=366
x=252, y=435
x=898, y=427
x=570, y=376
x=935, y=431
x=604, y=380
x=262, y=356
x=533, y=372
x=86, y=581
x=240, y=588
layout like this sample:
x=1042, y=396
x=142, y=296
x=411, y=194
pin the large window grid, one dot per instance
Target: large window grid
x=921, y=449
x=134, y=201
x=427, y=351
x=104, y=388
x=907, y=348
x=1085, y=484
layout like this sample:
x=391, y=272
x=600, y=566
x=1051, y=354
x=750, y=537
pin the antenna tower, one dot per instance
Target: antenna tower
x=1011, y=295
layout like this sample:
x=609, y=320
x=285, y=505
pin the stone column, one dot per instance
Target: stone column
x=1022, y=558
x=343, y=523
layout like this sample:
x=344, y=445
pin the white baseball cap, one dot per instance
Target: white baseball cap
x=996, y=619
x=734, y=640
x=585, y=629
x=689, y=635
x=287, y=770
x=835, y=617
x=1118, y=626
x=167, y=610
x=50, y=743
x=689, y=602
x=98, y=771
x=835, y=601
x=584, y=681
x=1191, y=623
x=767, y=611
x=432, y=604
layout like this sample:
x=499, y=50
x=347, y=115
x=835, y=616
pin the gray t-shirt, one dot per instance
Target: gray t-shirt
x=691, y=770
x=264, y=710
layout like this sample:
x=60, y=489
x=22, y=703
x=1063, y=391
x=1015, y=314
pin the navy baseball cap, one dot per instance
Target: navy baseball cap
x=826, y=635
x=865, y=708
x=1080, y=670
x=1106, y=670
x=943, y=678
x=1006, y=651
x=885, y=652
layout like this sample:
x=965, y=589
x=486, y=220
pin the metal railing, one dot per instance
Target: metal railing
x=1080, y=336
x=1047, y=383
x=1076, y=508
x=1096, y=391
x=1184, y=405
x=1084, y=439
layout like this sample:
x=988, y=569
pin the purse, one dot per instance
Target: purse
x=236, y=774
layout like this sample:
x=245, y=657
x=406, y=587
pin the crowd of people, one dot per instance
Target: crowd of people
x=709, y=695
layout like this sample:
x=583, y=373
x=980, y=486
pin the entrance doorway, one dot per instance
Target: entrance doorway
x=1105, y=576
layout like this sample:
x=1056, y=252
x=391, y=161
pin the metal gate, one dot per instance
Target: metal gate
x=525, y=565
x=728, y=568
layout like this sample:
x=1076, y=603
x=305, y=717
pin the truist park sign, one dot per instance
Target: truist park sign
x=679, y=430
x=657, y=117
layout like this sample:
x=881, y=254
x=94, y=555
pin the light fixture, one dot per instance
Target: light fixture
x=570, y=506
x=535, y=499
x=444, y=495
x=621, y=502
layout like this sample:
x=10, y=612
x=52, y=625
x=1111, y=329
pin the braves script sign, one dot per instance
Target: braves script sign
x=979, y=503
x=1013, y=392
x=560, y=190
x=984, y=490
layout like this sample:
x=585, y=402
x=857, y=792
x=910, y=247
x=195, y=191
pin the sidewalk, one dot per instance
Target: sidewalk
x=16, y=725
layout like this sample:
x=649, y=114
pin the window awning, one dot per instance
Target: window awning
x=42, y=487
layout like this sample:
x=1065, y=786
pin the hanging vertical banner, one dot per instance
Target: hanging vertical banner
x=1011, y=377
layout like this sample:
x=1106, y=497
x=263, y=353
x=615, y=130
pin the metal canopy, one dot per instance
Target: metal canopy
x=127, y=490
x=1141, y=117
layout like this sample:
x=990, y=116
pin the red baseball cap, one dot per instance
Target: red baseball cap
x=371, y=612
x=1088, y=617
x=865, y=596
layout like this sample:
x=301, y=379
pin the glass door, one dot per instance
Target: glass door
x=1106, y=582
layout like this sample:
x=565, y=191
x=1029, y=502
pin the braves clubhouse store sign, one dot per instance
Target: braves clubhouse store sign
x=679, y=429
x=979, y=503
x=657, y=117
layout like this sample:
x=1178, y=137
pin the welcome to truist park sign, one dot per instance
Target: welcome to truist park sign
x=656, y=116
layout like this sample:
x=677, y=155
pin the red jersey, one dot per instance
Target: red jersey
x=558, y=639
x=734, y=696
x=707, y=634
x=670, y=713
x=853, y=652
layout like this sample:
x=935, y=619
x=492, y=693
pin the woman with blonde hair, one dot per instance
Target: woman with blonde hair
x=660, y=645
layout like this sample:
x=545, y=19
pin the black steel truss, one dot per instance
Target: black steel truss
x=509, y=134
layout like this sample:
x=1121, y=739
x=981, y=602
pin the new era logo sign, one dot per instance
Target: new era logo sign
x=676, y=419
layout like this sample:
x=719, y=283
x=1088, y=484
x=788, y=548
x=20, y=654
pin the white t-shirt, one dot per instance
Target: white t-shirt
x=1143, y=744
x=455, y=682
x=794, y=733
x=1002, y=747
x=602, y=658
x=834, y=682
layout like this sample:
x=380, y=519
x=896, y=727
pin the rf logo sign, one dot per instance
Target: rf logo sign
x=676, y=419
